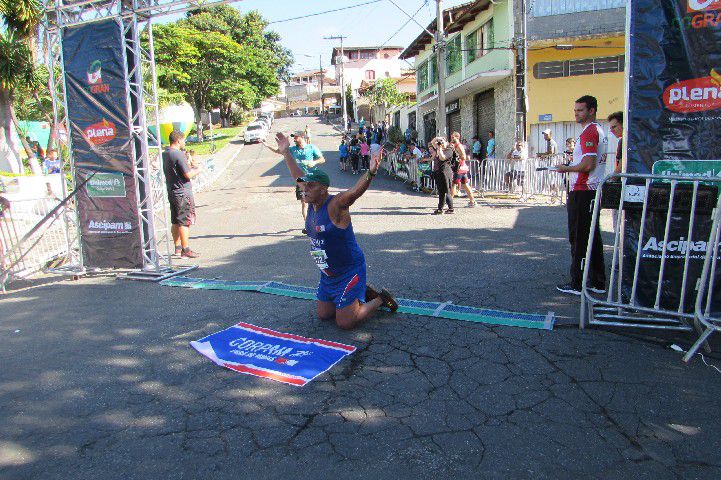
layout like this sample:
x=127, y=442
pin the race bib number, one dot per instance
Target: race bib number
x=320, y=257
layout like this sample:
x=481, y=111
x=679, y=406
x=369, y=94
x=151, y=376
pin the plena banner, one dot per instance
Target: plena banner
x=98, y=113
x=674, y=118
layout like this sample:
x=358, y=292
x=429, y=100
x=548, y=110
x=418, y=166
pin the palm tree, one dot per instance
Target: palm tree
x=21, y=19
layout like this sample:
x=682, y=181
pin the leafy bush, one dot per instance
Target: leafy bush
x=395, y=135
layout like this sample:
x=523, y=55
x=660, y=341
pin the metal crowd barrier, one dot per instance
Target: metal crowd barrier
x=22, y=259
x=654, y=285
x=488, y=176
x=705, y=317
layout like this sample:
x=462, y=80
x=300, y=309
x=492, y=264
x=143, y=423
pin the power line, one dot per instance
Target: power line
x=405, y=24
x=325, y=12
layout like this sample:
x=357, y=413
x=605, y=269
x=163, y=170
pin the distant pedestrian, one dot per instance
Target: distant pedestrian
x=51, y=164
x=517, y=160
x=307, y=135
x=178, y=174
x=615, y=125
x=443, y=174
x=551, y=145
x=476, y=148
x=491, y=145
x=365, y=153
x=343, y=150
x=355, y=149
x=460, y=176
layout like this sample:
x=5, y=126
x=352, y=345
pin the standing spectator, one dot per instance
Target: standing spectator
x=180, y=193
x=615, y=125
x=584, y=178
x=51, y=164
x=365, y=153
x=491, y=145
x=475, y=148
x=517, y=159
x=343, y=150
x=4, y=210
x=407, y=134
x=355, y=154
x=414, y=134
x=307, y=135
x=570, y=145
x=443, y=174
x=551, y=145
x=384, y=130
x=460, y=176
x=349, y=126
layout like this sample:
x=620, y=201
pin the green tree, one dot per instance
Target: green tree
x=349, y=102
x=17, y=40
x=385, y=94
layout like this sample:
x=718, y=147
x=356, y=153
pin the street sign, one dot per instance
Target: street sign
x=688, y=168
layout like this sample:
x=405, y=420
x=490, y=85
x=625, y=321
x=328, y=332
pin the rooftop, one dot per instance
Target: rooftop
x=454, y=19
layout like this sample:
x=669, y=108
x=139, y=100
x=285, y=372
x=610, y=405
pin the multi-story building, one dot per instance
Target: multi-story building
x=574, y=49
x=367, y=63
x=480, y=88
x=306, y=83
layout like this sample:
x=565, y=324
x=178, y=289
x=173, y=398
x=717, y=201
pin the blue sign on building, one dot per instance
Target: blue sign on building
x=545, y=117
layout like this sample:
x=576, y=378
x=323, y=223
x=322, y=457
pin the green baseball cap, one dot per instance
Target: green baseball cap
x=315, y=175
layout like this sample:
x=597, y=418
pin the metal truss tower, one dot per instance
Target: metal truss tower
x=135, y=18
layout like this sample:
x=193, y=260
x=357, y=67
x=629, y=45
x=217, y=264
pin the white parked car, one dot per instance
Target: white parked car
x=255, y=132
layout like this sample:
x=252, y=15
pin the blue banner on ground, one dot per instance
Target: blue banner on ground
x=262, y=352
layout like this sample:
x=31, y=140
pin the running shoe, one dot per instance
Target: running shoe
x=437, y=212
x=597, y=289
x=388, y=300
x=568, y=288
x=178, y=251
x=450, y=210
x=471, y=204
x=371, y=293
x=188, y=253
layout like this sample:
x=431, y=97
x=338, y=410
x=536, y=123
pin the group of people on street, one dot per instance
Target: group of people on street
x=343, y=294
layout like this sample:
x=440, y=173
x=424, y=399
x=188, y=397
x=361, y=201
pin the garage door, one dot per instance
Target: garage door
x=485, y=116
x=454, y=122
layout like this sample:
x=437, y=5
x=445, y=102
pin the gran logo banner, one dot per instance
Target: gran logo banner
x=673, y=123
x=99, y=119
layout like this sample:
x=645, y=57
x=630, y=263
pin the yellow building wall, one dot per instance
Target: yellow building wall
x=558, y=95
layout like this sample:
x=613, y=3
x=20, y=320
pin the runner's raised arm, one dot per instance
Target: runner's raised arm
x=284, y=149
x=345, y=199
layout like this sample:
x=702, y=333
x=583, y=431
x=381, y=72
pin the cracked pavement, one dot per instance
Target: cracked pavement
x=98, y=380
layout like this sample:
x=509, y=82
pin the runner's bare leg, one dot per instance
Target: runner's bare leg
x=356, y=313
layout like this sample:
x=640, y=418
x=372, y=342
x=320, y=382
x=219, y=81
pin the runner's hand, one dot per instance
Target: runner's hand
x=283, y=142
x=272, y=149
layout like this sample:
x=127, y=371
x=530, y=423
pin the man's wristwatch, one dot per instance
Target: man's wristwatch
x=370, y=175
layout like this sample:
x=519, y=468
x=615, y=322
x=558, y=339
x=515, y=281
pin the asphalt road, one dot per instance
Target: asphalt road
x=97, y=380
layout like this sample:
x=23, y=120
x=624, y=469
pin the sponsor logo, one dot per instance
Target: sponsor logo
x=103, y=226
x=101, y=132
x=95, y=78
x=320, y=228
x=261, y=350
x=590, y=144
x=696, y=95
x=700, y=5
x=675, y=246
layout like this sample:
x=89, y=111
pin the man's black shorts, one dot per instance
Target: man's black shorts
x=182, y=210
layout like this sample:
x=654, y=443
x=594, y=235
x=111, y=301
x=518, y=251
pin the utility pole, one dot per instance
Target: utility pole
x=521, y=57
x=441, y=56
x=320, y=62
x=342, y=78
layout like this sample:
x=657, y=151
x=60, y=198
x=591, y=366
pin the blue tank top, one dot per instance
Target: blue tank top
x=334, y=249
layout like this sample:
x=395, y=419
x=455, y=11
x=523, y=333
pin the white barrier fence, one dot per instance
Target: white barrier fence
x=530, y=181
x=21, y=259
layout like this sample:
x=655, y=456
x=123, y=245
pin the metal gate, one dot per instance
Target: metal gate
x=454, y=123
x=485, y=116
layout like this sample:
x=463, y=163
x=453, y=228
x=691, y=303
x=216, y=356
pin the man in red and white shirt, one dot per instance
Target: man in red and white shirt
x=586, y=172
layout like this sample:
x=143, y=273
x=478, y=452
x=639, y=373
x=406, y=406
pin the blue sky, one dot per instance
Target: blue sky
x=366, y=25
